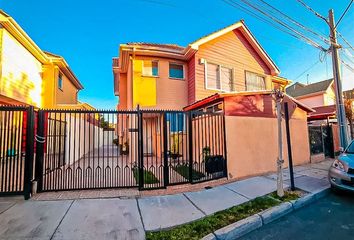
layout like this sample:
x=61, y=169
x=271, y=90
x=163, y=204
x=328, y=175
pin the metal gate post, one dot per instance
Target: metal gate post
x=40, y=140
x=224, y=143
x=140, y=150
x=165, y=155
x=288, y=141
x=29, y=155
x=190, y=146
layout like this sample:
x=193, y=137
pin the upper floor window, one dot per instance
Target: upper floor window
x=219, y=77
x=176, y=71
x=60, y=81
x=150, y=68
x=254, y=82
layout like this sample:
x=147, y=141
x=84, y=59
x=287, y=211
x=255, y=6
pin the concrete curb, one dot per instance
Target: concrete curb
x=247, y=225
x=276, y=212
x=240, y=228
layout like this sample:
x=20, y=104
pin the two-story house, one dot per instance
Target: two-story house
x=227, y=72
x=168, y=76
x=31, y=76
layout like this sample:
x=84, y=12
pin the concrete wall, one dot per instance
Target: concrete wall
x=80, y=140
x=252, y=146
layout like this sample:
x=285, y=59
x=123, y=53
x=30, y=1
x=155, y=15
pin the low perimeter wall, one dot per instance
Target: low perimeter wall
x=252, y=145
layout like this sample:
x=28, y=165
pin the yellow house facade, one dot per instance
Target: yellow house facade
x=31, y=76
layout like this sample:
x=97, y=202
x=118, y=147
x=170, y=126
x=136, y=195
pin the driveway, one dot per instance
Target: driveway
x=328, y=218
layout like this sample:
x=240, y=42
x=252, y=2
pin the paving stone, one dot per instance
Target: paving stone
x=101, y=219
x=5, y=205
x=254, y=187
x=32, y=219
x=325, y=165
x=310, y=184
x=286, y=175
x=316, y=173
x=161, y=212
x=215, y=199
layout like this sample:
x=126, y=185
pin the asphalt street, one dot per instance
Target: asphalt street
x=331, y=217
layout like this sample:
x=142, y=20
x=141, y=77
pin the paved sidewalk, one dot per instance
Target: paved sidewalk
x=117, y=218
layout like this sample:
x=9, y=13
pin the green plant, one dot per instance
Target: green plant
x=115, y=141
x=200, y=228
x=149, y=177
x=124, y=148
x=183, y=170
x=205, y=152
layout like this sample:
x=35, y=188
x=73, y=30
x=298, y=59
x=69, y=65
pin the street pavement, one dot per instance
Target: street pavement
x=119, y=218
x=328, y=218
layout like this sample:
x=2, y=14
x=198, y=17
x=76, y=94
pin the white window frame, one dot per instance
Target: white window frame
x=184, y=71
x=148, y=75
x=219, y=76
x=259, y=75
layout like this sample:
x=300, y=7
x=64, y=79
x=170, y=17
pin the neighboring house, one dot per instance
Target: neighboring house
x=323, y=130
x=315, y=94
x=167, y=76
x=30, y=76
x=226, y=73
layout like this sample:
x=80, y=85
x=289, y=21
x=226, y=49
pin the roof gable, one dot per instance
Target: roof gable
x=186, y=53
x=299, y=89
x=249, y=37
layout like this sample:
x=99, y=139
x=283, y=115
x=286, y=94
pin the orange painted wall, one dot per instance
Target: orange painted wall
x=66, y=95
x=231, y=50
x=252, y=147
x=252, y=135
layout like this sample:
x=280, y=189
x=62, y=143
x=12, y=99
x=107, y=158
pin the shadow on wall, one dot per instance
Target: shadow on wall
x=20, y=89
x=255, y=106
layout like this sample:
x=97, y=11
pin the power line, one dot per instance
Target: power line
x=297, y=33
x=345, y=12
x=308, y=69
x=347, y=65
x=242, y=8
x=297, y=23
x=345, y=40
x=312, y=10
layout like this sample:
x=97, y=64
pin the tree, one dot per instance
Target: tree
x=348, y=105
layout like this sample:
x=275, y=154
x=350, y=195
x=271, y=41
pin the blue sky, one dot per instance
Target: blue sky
x=88, y=33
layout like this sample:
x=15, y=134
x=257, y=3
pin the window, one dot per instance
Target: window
x=219, y=77
x=176, y=121
x=254, y=82
x=150, y=68
x=216, y=108
x=60, y=81
x=176, y=71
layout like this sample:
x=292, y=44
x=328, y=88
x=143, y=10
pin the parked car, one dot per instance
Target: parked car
x=341, y=173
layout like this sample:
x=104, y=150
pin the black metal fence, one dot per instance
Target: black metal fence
x=82, y=149
x=321, y=140
x=16, y=150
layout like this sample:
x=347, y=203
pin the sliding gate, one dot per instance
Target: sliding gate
x=78, y=149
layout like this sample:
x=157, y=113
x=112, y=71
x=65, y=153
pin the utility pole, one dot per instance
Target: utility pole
x=278, y=99
x=342, y=123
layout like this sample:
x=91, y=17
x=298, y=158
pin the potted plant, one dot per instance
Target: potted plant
x=213, y=163
x=124, y=148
